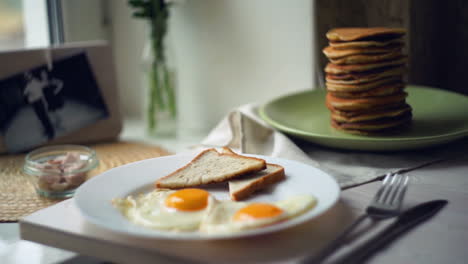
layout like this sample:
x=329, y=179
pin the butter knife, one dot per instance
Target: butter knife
x=407, y=220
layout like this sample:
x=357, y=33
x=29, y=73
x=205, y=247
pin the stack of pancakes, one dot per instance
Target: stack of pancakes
x=365, y=80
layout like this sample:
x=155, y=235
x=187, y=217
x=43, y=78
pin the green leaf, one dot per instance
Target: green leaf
x=141, y=13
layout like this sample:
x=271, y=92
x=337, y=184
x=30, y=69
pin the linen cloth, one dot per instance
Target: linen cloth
x=245, y=132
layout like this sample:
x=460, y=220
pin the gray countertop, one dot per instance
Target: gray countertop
x=440, y=240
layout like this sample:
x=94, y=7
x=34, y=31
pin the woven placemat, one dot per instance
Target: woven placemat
x=18, y=197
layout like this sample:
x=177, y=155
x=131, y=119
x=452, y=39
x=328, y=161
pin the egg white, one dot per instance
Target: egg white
x=297, y=205
x=149, y=210
x=219, y=218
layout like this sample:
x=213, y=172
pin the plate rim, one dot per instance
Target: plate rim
x=298, y=132
x=181, y=236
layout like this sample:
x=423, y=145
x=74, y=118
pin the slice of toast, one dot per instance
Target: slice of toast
x=242, y=187
x=210, y=166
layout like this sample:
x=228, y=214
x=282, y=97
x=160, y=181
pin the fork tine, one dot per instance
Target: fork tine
x=382, y=187
x=402, y=192
x=397, y=187
x=388, y=189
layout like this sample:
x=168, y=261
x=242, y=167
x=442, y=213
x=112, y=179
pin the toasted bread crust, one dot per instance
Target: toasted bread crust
x=258, y=184
x=227, y=150
x=160, y=183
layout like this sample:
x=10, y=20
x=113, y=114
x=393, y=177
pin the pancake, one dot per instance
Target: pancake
x=364, y=77
x=365, y=80
x=333, y=53
x=371, y=115
x=339, y=87
x=366, y=58
x=351, y=34
x=376, y=124
x=384, y=90
x=365, y=44
x=370, y=103
x=340, y=69
x=358, y=112
x=389, y=129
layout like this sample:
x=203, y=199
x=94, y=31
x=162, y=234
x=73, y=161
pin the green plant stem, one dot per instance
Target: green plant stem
x=161, y=94
x=157, y=86
x=169, y=85
x=152, y=97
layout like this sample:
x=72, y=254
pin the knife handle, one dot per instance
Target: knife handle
x=335, y=243
x=390, y=233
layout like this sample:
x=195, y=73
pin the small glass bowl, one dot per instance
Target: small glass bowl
x=57, y=171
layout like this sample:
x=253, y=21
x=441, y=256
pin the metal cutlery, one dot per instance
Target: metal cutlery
x=385, y=204
x=405, y=221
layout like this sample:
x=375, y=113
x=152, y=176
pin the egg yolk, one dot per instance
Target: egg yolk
x=257, y=211
x=188, y=200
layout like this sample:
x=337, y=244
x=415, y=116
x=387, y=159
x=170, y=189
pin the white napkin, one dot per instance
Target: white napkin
x=245, y=132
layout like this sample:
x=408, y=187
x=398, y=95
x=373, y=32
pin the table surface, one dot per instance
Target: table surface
x=440, y=240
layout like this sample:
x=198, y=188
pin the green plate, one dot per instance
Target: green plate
x=438, y=117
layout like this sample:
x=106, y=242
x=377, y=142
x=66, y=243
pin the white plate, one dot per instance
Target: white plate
x=93, y=198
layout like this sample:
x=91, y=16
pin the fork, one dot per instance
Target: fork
x=385, y=204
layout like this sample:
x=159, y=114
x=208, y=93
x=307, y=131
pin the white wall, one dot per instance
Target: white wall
x=35, y=24
x=127, y=37
x=84, y=20
x=227, y=53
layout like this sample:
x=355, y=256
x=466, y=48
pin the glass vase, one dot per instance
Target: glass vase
x=160, y=95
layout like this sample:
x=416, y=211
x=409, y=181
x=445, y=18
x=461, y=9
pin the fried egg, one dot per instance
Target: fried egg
x=195, y=209
x=229, y=217
x=180, y=210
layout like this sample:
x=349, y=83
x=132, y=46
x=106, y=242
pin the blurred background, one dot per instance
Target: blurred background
x=230, y=53
x=227, y=53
